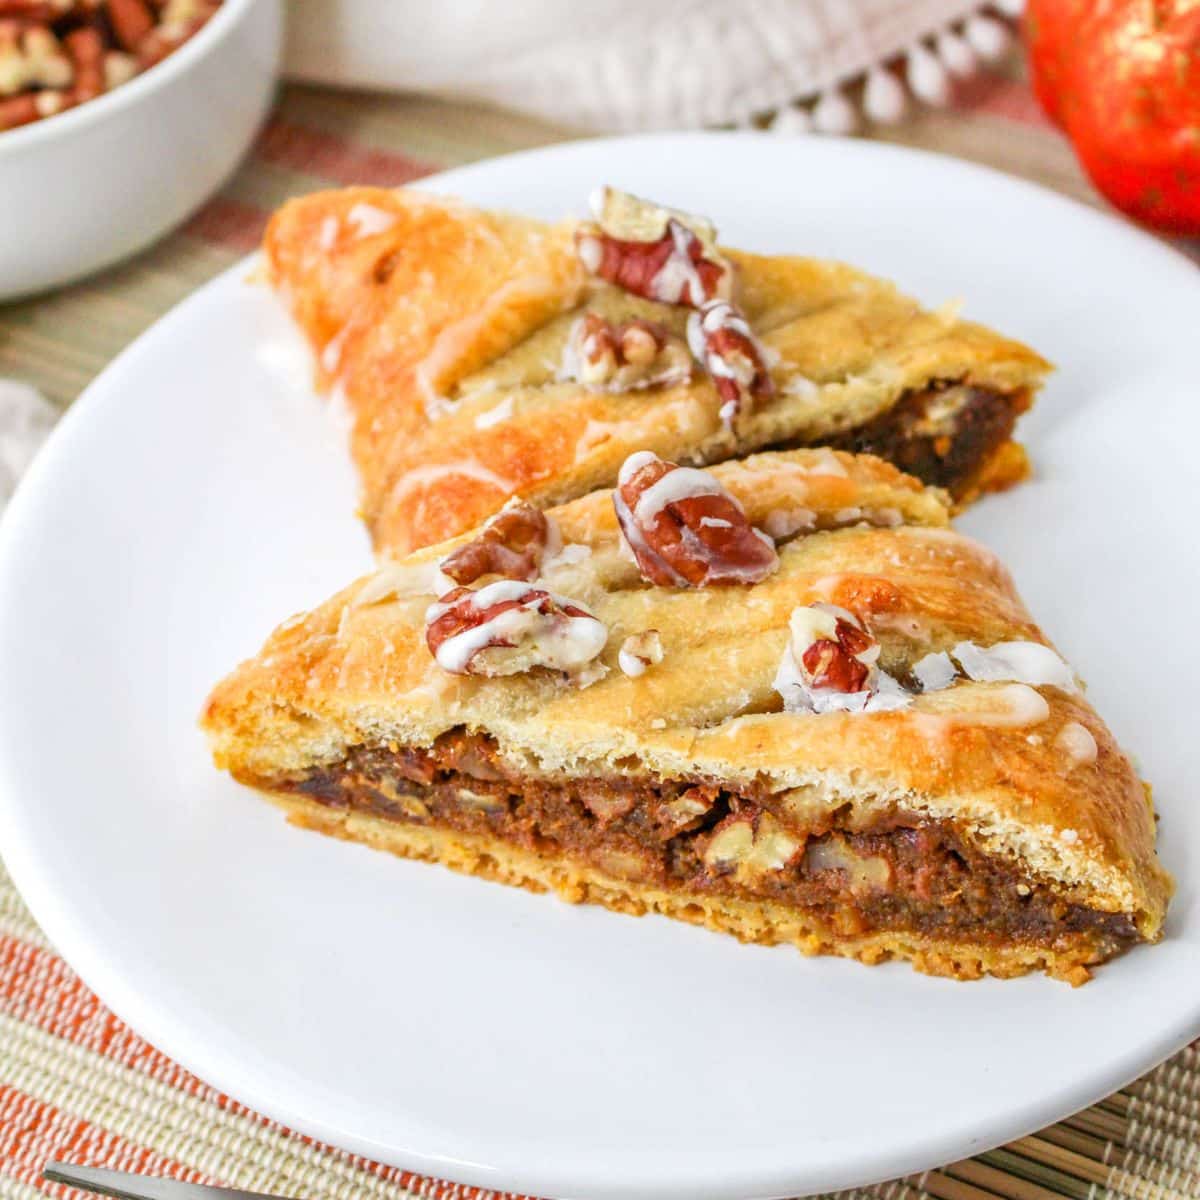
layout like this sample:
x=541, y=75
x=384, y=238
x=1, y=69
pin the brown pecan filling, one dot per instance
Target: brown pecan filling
x=899, y=873
x=942, y=434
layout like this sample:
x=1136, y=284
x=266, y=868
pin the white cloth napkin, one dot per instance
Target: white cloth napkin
x=26, y=419
x=641, y=64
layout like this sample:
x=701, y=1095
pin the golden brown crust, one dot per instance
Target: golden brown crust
x=444, y=331
x=999, y=759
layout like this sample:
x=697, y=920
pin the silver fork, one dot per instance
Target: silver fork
x=124, y=1186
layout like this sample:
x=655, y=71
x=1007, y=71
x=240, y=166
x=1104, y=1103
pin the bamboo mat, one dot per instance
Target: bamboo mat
x=75, y=1083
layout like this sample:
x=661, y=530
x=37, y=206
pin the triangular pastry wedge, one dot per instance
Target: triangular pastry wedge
x=484, y=356
x=780, y=698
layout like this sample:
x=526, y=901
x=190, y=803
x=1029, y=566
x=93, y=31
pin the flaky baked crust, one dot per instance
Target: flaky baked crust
x=444, y=328
x=990, y=757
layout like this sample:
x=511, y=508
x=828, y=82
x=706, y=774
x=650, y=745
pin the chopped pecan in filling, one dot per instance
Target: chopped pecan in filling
x=943, y=434
x=900, y=872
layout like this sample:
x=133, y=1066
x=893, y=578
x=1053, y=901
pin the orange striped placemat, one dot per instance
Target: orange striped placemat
x=76, y=1083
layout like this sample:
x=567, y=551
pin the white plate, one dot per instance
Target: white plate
x=192, y=499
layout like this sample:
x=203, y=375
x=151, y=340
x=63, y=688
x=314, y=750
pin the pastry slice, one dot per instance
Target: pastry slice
x=484, y=356
x=780, y=698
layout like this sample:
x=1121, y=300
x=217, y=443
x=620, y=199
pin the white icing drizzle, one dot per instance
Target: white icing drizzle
x=290, y=359
x=1077, y=744
x=420, y=476
x=398, y=581
x=369, y=220
x=741, y=365
x=520, y=638
x=340, y=412
x=597, y=201
x=678, y=274
x=784, y=522
x=825, y=462
x=716, y=523
x=800, y=385
x=633, y=464
x=591, y=253
x=591, y=673
x=566, y=556
x=684, y=483
x=554, y=539
x=331, y=354
x=812, y=622
x=455, y=342
x=1020, y=662
x=1020, y=705
x=495, y=414
x=935, y=671
x=328, y=232
x=579, y=351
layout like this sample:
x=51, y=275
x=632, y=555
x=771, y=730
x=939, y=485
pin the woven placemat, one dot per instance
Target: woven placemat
x=75, y=1082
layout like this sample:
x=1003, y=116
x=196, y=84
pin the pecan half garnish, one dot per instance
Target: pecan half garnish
x=685, y=529
x=508, y=627
x=720, y=338
x=832, y=647
x=830, y=664
x=833, y=662
x=513, y=544
x=652, y=251
x=620, y=357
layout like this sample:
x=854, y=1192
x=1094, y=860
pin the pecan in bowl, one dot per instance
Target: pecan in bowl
x=56, y=54
x=121, y=163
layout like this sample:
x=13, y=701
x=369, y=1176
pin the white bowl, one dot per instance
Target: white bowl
x=93, y=185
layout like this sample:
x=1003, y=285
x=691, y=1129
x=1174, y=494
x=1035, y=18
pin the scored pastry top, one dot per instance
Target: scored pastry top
x=485, y=355
x=802, y=620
